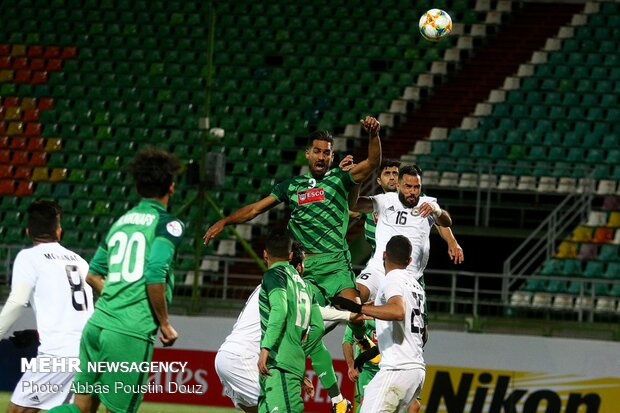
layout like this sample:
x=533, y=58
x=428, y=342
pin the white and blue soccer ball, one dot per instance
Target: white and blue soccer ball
x=435, y=24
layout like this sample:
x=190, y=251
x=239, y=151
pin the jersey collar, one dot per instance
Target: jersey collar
x=279, y=264
x=153, y=203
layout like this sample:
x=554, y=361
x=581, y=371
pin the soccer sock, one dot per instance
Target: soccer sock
x=65, y=408
x=324, y=369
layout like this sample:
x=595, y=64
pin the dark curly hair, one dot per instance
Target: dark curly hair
x=153, y=171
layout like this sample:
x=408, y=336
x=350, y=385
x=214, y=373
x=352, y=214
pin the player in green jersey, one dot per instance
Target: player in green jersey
x=289, y=317
x=319, y=211
x=361, y=376
x=131, y=270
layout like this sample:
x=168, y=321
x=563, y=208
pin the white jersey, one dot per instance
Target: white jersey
x=61, y=299
x=393, y=218
x=245, y=336
x=401, y=341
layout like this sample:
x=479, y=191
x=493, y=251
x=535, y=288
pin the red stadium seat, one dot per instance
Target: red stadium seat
x=5, y=49
x=69, y=52
x=10, y=101
x=18, y=143
x=37, y=64
x=33, y=129
x=5, y=62
x=35, y=51
x=45, y=103
x=52, y=52
x=24, y=188
x=2, y=127
x=36, y=144
x=30, y=115
x=39, y=77
x=20, y=158
x=54, y=65
x=23, y=76
x=4, y=142
x=6, y=171
x=38, y=159
x=23, y=172
x=5, y=156
x=20, y=63
x=7, y=186
x=603, y=235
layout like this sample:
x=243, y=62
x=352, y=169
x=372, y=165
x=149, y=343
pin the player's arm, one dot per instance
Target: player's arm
x=155, y=273
x=441, y=216
x=15, y=303
x=347, y=352
x=362, y=170
x=454, y=249
x=362, y=204
x=316, y=328
x=98, y=269
x=393, y=310
x=240, y=216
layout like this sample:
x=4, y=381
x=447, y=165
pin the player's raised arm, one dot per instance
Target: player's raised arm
x=362, y=170
x=454, y=249
x=240, y=216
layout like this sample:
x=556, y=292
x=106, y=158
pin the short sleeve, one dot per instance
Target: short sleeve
x=23, y=271
x=392, y=288
x=347, y=179
x=99, y=264
x=171, y=229
x=378, y=203
x=274, y=279
x=280, y=191
x=348, y=335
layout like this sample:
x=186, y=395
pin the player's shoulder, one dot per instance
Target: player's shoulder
x=426, y=198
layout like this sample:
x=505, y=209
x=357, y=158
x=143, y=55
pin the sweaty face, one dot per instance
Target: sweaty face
x=410, y=188
x=389, y=179
x=320, y=157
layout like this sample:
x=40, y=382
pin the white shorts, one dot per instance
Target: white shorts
x=371, y=277
x=239, y=377
x=392, y=391
x=43, y=390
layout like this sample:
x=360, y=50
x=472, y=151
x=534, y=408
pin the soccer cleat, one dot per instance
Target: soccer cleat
x=366, y=345
x=344, y=406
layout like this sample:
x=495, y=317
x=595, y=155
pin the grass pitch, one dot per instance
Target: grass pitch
x=146, y=407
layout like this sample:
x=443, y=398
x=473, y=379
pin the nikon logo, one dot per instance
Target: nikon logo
x=503, y=398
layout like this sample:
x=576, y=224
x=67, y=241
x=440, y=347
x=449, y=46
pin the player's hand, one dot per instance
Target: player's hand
x=214, y=231
x=456, y=253
x=262, y=363
x=346, y=163
x=24, y=338
x=359, y=317
x=168, y=335
x=428, y=208
x=353, y=374
x=346, y=304
x=371, y=126
x=308, y=387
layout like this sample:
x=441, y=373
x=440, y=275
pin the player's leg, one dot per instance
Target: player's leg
x=392, y=390
x=40, y=391
x=365, y=377
x=13, y=408
x=280, y=392
x=239, y=378
x=122, y=389
x=414, y=407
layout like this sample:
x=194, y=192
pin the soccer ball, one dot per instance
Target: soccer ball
x=435, y=24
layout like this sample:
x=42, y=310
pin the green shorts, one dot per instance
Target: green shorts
x=328, y=274
x=280, y=392
x=118, y=391
x=363, y=379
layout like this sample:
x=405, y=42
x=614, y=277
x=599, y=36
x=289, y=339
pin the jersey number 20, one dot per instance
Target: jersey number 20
x=128, y=253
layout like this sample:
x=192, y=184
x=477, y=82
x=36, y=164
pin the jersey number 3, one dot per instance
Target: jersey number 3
x=76, y=282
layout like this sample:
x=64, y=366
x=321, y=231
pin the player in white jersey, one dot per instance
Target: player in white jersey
x=398, y=309
x=409, y=213
x=52, y=279
x=237, y=358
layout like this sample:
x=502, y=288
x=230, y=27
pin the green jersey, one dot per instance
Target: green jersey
x=138, y=250
x=370, y=228
x=319, y=209
x=285, y=307
x=370, y=332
